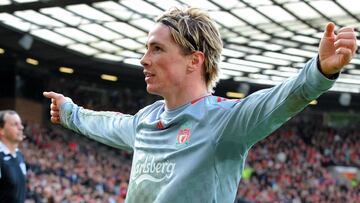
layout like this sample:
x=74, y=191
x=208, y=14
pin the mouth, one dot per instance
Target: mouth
x=148, y=75
x=22, y=135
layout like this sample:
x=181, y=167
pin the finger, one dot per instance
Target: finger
x=346, y=29
x=48, y=94
x=346, y=35
x=346, y=55
x=54, y=113
x=53, y=101
x=344, y=51
x=329, y=30
x=54, y=107
x=51, y=95
x=346, y=43
x=55, y=119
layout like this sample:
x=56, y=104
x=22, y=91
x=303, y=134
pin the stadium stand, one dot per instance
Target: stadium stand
x=291, y=165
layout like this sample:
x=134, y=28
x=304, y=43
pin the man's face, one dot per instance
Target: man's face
x=164, y=63
x=12, y=131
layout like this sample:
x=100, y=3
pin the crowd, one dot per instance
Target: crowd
x=100, y=96
x=288, y=166
x=63, y=167
x=291, y=165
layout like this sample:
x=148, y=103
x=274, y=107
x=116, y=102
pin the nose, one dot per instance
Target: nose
x=21, y=126
x=145, y=60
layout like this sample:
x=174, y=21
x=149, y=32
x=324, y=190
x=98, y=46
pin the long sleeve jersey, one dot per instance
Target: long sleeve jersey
x=196, y=152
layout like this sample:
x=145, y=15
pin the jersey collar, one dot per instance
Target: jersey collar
x=5, y=149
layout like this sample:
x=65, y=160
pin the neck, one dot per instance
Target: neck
x=11, y=146
x=178, y=98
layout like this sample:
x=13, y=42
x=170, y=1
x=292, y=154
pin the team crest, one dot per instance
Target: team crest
x=183, y=137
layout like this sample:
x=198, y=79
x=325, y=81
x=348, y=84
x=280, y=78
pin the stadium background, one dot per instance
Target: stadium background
x=313, y=158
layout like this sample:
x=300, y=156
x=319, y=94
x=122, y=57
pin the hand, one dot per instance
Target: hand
x=56, y=101
x=336, y=50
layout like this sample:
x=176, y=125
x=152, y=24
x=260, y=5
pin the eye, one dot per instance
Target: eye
x=157, y=48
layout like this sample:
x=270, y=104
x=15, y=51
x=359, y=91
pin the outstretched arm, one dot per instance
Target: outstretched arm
x=111, y=128
x=266, y=110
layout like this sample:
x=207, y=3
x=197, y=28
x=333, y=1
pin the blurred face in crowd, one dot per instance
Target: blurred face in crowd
x=12, y=131
x=164, y=63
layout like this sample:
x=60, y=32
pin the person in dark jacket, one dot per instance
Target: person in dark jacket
x=12, y=163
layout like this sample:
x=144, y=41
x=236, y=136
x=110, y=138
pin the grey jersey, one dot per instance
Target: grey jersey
x=196, y=153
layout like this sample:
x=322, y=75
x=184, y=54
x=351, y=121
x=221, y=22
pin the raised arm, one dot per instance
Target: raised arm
x=263, y=112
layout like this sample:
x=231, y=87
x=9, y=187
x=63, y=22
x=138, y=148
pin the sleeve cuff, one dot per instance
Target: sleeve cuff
x=330, y=77
x=316, y=79
x=65, y=111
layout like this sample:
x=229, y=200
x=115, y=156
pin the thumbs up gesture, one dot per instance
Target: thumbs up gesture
x=336, y=50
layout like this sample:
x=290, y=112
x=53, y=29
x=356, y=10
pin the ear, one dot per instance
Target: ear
x=197, y=59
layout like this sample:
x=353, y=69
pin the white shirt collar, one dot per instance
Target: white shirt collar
x=5, y=149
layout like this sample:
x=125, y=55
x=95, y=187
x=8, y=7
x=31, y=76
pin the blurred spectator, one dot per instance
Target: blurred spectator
x=97, y=173
x=12, y=163
x=289, y=166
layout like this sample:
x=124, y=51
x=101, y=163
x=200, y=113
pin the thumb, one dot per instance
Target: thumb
x=329, y=30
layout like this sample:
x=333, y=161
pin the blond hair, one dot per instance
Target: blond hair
x=194, y=30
